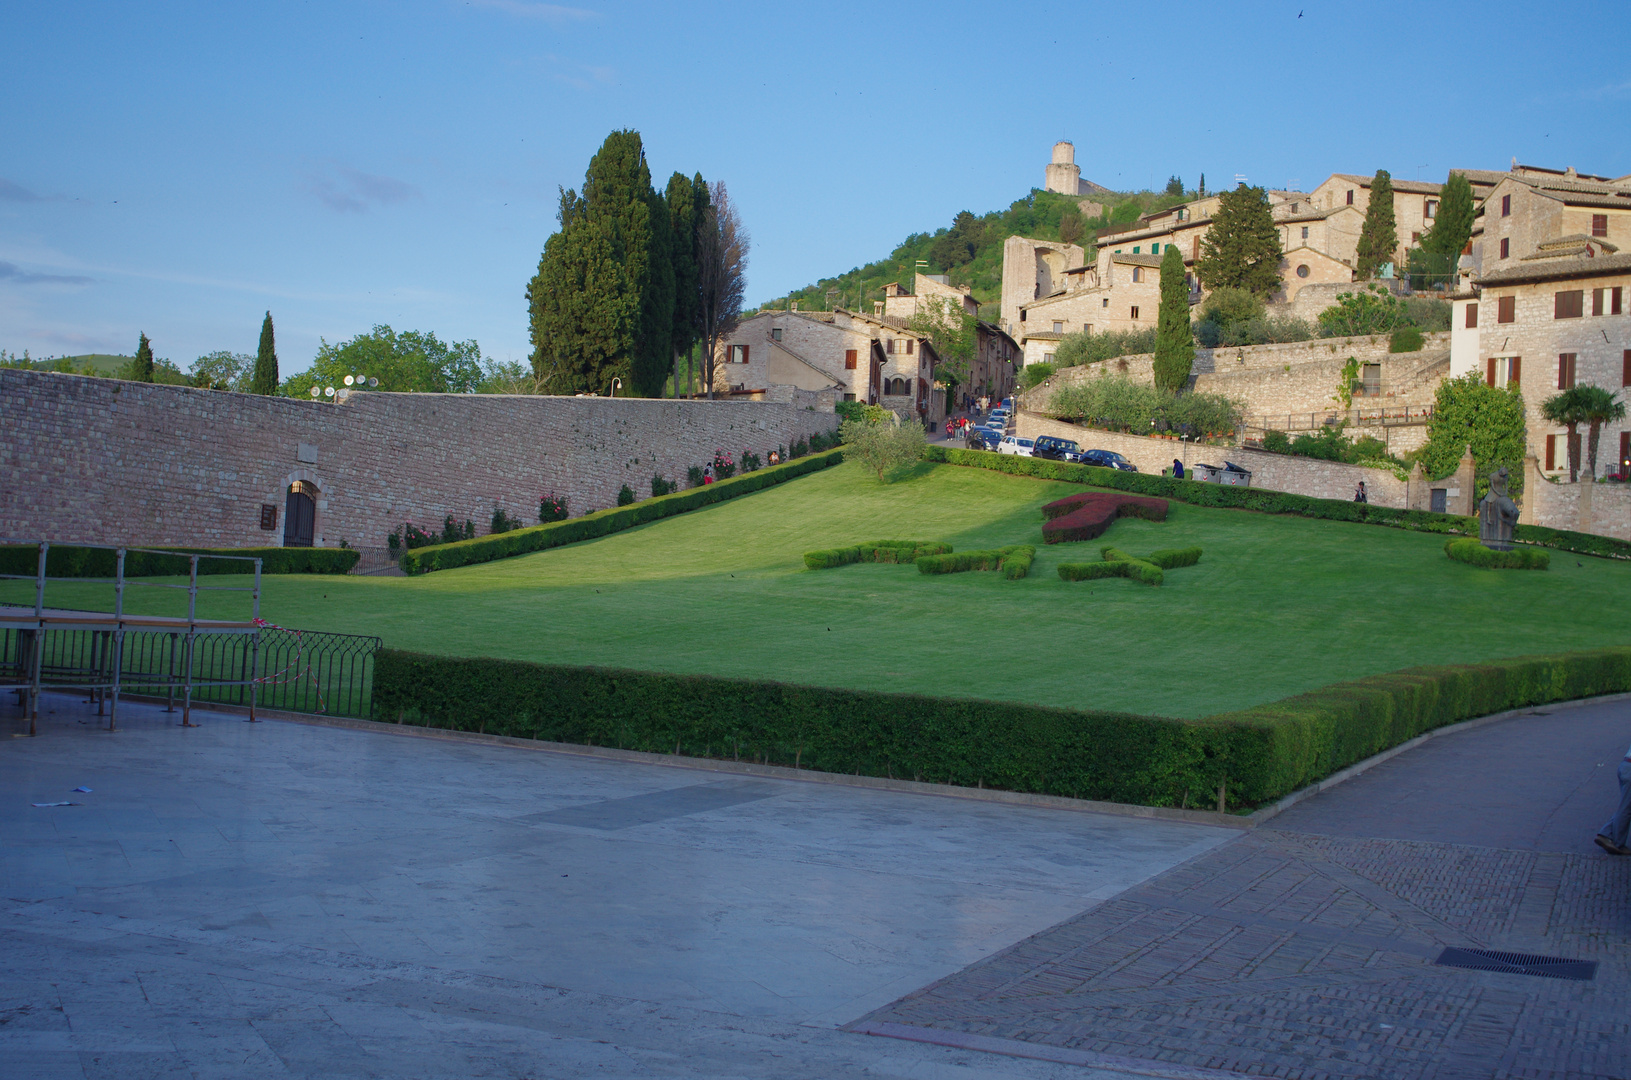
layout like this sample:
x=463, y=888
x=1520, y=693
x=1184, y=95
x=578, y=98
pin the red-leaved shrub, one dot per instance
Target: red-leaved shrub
x=1086, y=516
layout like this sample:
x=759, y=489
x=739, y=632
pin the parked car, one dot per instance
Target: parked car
x=1107, y=459
x=998, y=418
x=1056, y=449
x=979, y=438
x=1013, y=444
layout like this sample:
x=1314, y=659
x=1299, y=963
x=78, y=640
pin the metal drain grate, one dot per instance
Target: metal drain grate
x=1548, y=967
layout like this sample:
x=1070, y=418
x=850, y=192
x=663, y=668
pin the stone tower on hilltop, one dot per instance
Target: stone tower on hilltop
x=1065, y=176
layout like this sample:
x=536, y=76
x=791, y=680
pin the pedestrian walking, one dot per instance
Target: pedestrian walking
x=707, y=474
x=1611, y=838
x=951, y=428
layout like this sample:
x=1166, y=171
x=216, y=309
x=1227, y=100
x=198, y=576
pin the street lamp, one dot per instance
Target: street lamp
x=615, y=384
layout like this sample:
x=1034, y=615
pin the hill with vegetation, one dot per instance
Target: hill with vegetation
x=969, y=250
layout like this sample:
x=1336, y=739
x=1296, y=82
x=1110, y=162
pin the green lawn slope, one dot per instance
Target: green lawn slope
x=1278, y=605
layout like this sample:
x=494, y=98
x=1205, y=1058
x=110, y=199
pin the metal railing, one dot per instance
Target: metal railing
x=273, y=668
x=245, y=662
x=1380, y=416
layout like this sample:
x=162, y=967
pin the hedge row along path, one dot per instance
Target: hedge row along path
x=1235, y=761
x=1265, y=501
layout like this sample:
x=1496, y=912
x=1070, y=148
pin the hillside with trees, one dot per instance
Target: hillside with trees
x=969, y=250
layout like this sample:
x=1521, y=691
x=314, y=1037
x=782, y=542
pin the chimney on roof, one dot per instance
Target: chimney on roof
x=1570, y=173
x=877, y=307
x=793, y=306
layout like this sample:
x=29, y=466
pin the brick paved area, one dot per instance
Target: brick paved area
x=1301, y=955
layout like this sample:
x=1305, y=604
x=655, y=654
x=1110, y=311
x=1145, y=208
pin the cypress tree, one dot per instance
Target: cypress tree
x=1452, y=228
x=141, y=369
x=1174, y=341
x=265, y=379
x=1379, y=236
x=1242, y=248
x=683, y=215
x=613, y=250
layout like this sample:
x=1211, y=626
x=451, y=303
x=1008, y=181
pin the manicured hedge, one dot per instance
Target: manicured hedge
x=1014, y=561
x=1087, y=754
x=1172, y=558
x=1087, y=516
x=878, y=551
x=1313, y=735
x=1200, y=493
x=1473, y=552
x=69, y=561
x=604, y=522
x=1259, y=754
x=1150, y=569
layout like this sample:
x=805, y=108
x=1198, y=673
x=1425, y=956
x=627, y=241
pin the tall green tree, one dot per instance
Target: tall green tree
x=1452, y=228
x=1242, y=248
x=1379, y=236
x=265, y=380
x=602, y=303
x=1468, y=412
x=1174, y=340
x=410, y=361
x=687, y=200
x=722, y=263
x=141, y=368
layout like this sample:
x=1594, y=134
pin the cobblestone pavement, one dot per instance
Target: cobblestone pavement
x=1301, y=955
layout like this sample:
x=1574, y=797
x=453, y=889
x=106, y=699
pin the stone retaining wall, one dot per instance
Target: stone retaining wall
x=110, y=461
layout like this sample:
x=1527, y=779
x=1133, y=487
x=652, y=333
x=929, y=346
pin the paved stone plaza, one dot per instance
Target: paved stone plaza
x=1306, y=949
x=285, y=900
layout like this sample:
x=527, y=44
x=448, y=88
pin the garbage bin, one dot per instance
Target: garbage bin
x=1234, y=475
x=1208, y=473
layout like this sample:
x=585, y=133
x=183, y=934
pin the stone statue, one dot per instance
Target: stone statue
x=1497, y=514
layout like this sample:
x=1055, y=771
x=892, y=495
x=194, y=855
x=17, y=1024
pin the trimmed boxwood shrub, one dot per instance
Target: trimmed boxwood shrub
x=878, y=551
x=1257, y=754
x=1172, y=558
x=1014, y=561
x=1149, y=570
x=69, y=561
x=1264, y=501
x=1087, y=516
x=604, y=522
x=1087, y=754
x=1474, y=553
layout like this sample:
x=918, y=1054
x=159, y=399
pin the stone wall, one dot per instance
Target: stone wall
x=1277, y=472
x=1604, y=509
x=104, y=460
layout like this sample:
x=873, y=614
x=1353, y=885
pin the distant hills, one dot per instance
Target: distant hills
x=969, y=250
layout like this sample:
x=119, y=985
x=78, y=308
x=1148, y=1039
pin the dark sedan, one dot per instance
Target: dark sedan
x=1107, y=459
x=982, y=439
x=1056, y=449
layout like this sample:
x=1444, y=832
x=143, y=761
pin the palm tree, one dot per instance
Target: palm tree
x=1597, y=407
x=1567, y=409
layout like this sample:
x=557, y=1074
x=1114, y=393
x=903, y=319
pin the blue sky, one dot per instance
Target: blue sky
x=180, y=168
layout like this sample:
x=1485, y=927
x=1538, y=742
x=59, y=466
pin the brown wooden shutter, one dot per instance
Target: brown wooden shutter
x=1599, y=224
x=744, y=354
x=1506, y=247
x=1565, y=370
x=1596, y=301
x=1625, y=452
x=1506, y=206
x=1472, y=316
x=1616, y=296
x=1513, y=368
x=849, y=359
x=909, y=344
x=1506, y=309
x=1551, y=452
x=1568, y=304
x=1489, y=375
x=1625, y=374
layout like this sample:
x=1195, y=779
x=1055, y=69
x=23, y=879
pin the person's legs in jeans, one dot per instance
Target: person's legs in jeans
x=1620, y=823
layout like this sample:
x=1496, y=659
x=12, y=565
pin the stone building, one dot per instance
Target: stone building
x=1064, y=176
x=1530, y=207
x=1032, y=269
x=840, y=354
x=1118, y=292
x=1547, y=321
x=996, y=353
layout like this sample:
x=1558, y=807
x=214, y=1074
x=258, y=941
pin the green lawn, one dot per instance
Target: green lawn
x=1277, y=605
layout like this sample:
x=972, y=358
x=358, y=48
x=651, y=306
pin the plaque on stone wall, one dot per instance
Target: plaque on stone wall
x=268, y=516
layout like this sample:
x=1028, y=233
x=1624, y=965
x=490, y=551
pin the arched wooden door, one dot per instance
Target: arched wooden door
x=299, y=515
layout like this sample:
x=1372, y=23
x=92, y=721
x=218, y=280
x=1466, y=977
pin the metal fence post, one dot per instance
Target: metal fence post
x=118, y=636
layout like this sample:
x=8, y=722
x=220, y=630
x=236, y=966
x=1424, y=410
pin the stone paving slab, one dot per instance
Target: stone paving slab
x=1307, y=954
x=281, y=900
